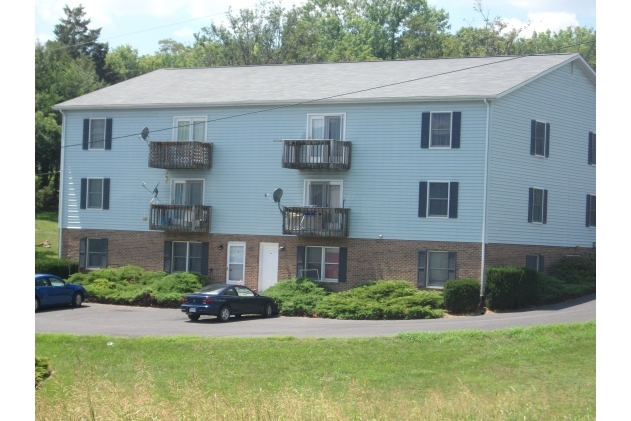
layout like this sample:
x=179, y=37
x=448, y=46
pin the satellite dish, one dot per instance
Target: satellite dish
x=278, y=193
x=144, y=134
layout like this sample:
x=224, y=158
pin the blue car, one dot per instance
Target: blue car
x=223, y=300
x=51, y=290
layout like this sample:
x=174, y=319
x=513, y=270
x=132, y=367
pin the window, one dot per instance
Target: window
x=326, y=264
x=190, y=128
x=539, y=138
x=323, y=193
x=441, y=130
x=236, y=263
x=435, y=268
x=97, y=134
x=187, y=192
x=95, y=193
x=537, y=205
x=591, y=152
x=438, y=199
x=590, y=217
x=535, y=262
x=244, y=292
x=325, y=126
x=184, y=256
x=93, y=253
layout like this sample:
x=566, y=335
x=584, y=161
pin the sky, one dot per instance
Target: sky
x=142, y=23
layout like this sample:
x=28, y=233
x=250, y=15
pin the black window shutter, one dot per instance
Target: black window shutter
x=425, y=131
x=453, y=199
x=84, y=192
x=451, y=265
x=547, y=140
x=300, y=261
x=422, y=199
x=589, y=149
x=533, y=128
x=455, y=129
x=205, y=249
x=167, y=256
x=531, y=262
x=106, y=193
x=86, y=133
x=82, y=244
x=587, y=210
x=342, y=266
x=545, y=207
x=422, y=260
x=530, y=200
x=542, y=264
x=108, y=134
x=104, y=252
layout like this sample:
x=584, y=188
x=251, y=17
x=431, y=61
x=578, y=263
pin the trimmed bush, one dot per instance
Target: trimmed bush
x=59, y=267
x=461, y=295
x=554, y=290
x=297, y=297
x=510, y=287
x=43, y=370
x=382, y=300
x=575, y=270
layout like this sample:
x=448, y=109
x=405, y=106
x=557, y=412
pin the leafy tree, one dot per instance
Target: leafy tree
x=122, y=63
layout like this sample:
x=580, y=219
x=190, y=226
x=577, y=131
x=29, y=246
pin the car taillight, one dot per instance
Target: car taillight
x=207, y=300
x=183, y=299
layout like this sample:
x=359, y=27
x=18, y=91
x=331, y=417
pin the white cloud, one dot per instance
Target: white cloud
x=541, y=22
x=185, y=32
x=43, y=37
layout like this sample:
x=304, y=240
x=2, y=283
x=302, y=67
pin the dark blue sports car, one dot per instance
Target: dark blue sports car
x=223, y=300
x=51, y=290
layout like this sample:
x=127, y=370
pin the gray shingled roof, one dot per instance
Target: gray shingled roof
x=429, y=79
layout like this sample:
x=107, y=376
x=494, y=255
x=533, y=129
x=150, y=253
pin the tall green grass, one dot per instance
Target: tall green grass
x=543, y=372
x=46, y=230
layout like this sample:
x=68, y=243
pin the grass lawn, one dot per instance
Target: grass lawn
x=46, y=230
x=543, y=372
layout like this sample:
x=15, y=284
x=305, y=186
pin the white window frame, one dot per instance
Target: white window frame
x=87, y=254
x=322, y=263
x=175, y=181
x=590, y=210
x=188, y=255
x=310, y=118
x=87, y=193
x=533, y=205
x=231, y=244
x=427, y=269
x=307, y=187
x=431, y=131
x=545, y=137
x=90, y=134
x=448, y=198
x=191, y=120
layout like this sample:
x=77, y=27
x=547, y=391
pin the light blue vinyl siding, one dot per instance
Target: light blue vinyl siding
x=568, y=102
x=381, y=188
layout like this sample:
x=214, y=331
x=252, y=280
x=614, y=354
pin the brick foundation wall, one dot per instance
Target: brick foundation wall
x=515, y=254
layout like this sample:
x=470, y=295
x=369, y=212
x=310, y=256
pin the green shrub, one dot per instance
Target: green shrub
x=181, y=283
x=382, y=300
x=59, y=267
x=575, y=270
x=297, y=297
x=43, y=370
x=461, y=295
x=510, y=287
x=553, y=290
x=132, y=274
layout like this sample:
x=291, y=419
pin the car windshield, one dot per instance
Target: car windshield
x=214, y=289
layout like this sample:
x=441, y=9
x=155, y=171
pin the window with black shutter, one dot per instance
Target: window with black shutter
x=440, y=130
x=590, y=213
x=539, y=138
x=97, y=134
x=591, y=149
x=537, y=206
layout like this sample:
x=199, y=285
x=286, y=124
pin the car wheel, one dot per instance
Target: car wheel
x=224, y=314
x=36, y=303
x=77, y=299
x=193, y=317
x=267, y=310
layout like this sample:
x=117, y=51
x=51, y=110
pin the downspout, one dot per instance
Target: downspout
x=486, y=173
x=61, y=183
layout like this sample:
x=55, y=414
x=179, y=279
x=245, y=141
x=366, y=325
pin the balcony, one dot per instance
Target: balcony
x=315, y=222
x=180, y=218
x=317, y=155
x=180, y=155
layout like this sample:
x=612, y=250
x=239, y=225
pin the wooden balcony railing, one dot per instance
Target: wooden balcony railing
x=316, y=222
x=180, y=155
x=317, y=154
x=180, y=218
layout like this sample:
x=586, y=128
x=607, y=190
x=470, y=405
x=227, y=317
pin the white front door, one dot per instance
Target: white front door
x=268, y=265
x=236, y=263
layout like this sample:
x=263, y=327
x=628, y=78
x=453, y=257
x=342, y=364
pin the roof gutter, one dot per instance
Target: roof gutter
x=484, y=204
x=61, y=184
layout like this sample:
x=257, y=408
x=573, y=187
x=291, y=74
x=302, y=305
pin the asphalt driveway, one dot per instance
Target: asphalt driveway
x=114, y=320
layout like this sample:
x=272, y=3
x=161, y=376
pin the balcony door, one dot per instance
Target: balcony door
x=188, y=192
x=324, y=194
